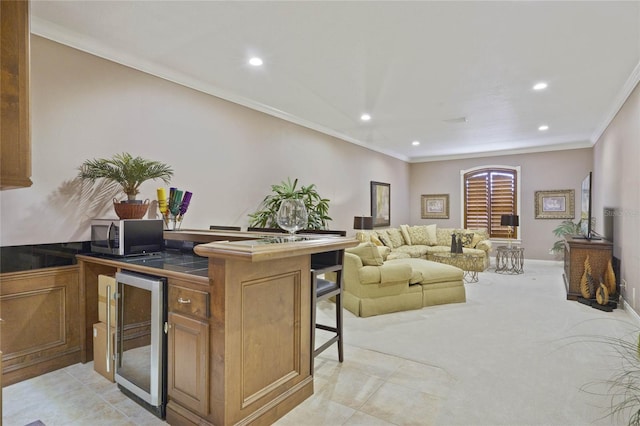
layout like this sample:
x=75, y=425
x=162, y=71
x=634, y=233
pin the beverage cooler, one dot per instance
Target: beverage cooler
x=140, y=339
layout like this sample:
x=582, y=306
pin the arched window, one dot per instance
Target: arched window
x=488, y=194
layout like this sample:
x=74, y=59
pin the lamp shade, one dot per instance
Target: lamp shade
x=363, y=222
x=509, y=220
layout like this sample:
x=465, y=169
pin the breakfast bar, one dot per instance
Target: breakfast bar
x=239, y=335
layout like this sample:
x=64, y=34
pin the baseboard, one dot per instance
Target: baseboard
x=630, y=311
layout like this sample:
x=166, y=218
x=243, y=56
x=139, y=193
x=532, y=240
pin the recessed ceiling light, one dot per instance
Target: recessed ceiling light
x=540, y=86
x=415, y=143
x=455, y=120
x=543, y=128
x=365, y=117
x=256, y=62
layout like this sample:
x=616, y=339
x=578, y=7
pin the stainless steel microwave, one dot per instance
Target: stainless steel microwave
x=126, y=237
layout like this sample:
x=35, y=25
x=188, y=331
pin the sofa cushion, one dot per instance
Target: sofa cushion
x=404, y=230
x=395, y=254
x=423, y=235
x=384, y=251
x=387, y=274
x=443, y=236
x=413, y=251
x=484, y=245
x=432, y=272
x=368, y=253
x=395, y=236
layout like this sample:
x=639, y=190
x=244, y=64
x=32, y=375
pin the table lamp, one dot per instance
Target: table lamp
x=509, y=220
x=362, y=222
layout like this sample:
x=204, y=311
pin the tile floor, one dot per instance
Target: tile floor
x=367, y=388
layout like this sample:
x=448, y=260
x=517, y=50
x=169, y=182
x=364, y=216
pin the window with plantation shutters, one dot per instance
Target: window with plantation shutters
x=488, y=194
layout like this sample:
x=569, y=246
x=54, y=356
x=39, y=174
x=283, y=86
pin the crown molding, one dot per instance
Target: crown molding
x=624, y=93
x=62, y=35
x=531, y=150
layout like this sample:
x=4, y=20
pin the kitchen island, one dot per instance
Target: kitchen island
x=239, y=336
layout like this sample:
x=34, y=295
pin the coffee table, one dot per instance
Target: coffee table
x=470, y=263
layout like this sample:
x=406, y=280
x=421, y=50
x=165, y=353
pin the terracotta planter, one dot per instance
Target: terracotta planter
x=128, y=210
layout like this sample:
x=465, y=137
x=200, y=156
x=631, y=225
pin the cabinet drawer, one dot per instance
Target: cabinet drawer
x=188, y=301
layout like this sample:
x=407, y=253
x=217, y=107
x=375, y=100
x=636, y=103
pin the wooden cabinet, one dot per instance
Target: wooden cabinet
x=188, y=369
x=15, y=140
x=239, y=339
x=575, y=253
x=188, y=349
x=41, y=329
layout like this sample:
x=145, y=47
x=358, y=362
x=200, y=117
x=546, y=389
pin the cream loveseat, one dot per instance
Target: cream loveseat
x=422, y=241
x=374, y=286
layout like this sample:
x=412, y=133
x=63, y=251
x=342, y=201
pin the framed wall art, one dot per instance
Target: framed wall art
x=435, y=206
x=381, y=203
x=555, y=204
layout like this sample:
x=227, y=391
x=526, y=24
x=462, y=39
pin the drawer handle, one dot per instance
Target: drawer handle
x=184, y=301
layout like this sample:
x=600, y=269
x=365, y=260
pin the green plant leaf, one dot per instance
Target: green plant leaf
x=125, y=170
x=317, y=207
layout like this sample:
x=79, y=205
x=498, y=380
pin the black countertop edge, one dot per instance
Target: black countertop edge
x=37, y=256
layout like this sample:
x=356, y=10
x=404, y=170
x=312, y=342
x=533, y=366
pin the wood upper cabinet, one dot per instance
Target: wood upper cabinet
x=15, y=140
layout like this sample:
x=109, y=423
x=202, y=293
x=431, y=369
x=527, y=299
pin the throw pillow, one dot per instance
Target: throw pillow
x=368, y=253
x=477, y=237
x=432, y=234
x=467, y=239
x=444, y=236
x=375, y=240
x=362, y=237
x=419, y=235
x=396, y=237
x=384, y=238
x=404, y=230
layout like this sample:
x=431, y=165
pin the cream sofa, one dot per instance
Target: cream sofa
x=422, y=241
x=374, y=286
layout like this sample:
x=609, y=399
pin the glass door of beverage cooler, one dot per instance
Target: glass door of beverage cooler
x=141, y=340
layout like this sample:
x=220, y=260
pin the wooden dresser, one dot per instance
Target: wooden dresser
x=575, y=252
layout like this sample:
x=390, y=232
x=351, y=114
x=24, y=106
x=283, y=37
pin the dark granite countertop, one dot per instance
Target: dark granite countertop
x=168, y=260
x=38, y=256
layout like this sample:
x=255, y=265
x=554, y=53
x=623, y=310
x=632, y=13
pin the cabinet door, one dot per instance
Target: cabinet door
x=188, y=369
x=41, y=328
x=15, y=142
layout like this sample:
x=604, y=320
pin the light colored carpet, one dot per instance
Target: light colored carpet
x=517, y=351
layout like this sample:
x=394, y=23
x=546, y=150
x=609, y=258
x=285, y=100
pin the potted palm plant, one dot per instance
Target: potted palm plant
x=567, y=227
x=316, y=206
x=129, y=172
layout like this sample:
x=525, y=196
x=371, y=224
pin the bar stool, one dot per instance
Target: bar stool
x=324, y=288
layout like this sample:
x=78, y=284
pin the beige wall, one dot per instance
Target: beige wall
x=227, y=155
x=617, y=185
x=540, y=171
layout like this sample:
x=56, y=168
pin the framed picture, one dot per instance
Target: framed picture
x=555, y=204
x=381, y=203
x=435, y=206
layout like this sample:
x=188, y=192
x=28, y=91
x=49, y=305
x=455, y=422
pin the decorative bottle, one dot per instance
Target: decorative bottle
x=459, y=245
x=454, y=245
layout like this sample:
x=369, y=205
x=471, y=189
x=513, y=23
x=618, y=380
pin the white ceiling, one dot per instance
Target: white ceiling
x=417, y=67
